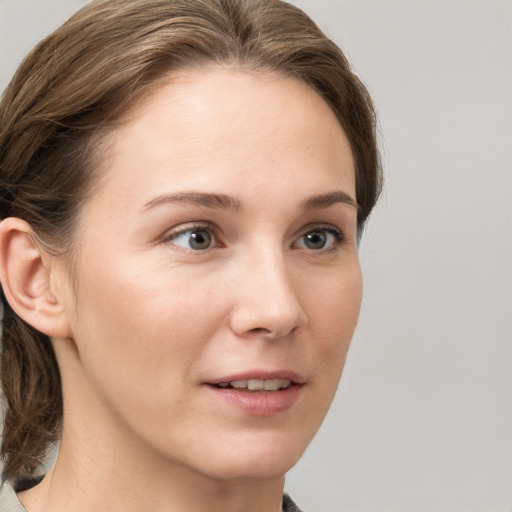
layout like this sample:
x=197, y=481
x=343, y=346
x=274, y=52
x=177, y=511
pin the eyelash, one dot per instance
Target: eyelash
x=202, y=226
x=338, y=235
x=215, y=232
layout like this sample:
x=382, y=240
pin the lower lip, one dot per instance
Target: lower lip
x=259, y=403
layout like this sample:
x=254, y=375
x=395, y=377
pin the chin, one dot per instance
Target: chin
x=254, y=459
x=245, y=471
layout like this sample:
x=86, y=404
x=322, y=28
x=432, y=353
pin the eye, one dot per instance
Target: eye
x=320, y=239
x=194, y=239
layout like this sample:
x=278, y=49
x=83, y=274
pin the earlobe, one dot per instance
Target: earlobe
x=25, y=274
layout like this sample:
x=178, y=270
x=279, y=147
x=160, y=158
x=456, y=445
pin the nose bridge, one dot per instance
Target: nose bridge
x=266, y=299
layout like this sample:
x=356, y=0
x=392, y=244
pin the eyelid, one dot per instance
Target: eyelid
x=321, y=226
x=329, y=228
x=196, y=225
x=216, y=233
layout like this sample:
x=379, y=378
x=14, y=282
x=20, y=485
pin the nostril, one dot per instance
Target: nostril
x=270, y=334
x=261, y=330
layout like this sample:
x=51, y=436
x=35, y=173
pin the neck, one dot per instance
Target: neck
x=103, y=466
x=87, y=483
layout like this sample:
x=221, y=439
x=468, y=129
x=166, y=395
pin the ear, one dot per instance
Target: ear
x=26, y=277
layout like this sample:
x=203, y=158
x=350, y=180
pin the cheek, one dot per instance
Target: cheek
x=334, y=312
x=337, y=302
x=139, y=336
x=134, y=322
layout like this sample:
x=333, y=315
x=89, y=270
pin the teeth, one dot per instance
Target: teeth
x=272, y=385
x=255, y=385
x=258, y=385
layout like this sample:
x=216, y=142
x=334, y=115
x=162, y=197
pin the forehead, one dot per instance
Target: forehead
x=222, y=128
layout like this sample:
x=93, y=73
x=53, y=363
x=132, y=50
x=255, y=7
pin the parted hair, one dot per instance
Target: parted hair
x=73, y=88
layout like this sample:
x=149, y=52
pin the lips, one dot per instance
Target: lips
x=256, y=376
x=258, y=393
x=257, y=384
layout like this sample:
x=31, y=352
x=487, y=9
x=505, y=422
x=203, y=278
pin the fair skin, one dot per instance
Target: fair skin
x=219, y=246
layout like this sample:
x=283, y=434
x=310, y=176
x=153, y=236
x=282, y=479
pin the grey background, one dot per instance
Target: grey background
x=423, y=418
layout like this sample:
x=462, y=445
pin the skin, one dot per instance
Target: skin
x=146, y=320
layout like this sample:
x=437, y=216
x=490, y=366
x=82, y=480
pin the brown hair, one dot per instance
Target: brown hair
x=74, y=86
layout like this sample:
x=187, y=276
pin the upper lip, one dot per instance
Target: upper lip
x=290, y=375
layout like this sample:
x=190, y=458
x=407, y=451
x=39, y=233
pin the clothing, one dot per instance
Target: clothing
x=9, y=502
x=288, y=505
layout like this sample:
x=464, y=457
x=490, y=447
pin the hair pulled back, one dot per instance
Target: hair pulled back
x=73, y=88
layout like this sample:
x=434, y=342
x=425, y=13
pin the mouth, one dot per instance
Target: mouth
x=259, y=393
x=256, y=385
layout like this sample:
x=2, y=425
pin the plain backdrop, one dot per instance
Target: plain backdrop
x=423, y=417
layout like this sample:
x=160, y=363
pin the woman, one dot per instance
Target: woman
x=184, y=183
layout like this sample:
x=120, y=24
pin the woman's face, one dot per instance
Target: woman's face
x=218, y=254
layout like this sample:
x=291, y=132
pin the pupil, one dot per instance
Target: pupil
x=200, y=240
x=316, y=240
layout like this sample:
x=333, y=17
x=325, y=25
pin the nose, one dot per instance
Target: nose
x=267, y=301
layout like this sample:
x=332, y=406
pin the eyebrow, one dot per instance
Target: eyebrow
x=225, y=202
x=325, y=200
x=215, y=201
